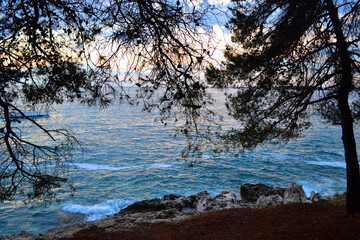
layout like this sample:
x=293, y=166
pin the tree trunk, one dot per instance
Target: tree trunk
x=352, y=164
x=345, y=87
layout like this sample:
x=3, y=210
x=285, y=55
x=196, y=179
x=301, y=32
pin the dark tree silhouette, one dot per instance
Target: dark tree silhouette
x=40, y=44
x=168, y=54
x=294, y=58
x=47, y=51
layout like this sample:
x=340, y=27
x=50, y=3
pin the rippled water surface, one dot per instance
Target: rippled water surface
x=127, y=157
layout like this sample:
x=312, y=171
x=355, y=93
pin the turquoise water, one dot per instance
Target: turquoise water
x=127, y=157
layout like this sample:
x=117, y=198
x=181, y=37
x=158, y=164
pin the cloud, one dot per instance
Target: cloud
x=219, y=2
x=217, y=41
x=196, y=3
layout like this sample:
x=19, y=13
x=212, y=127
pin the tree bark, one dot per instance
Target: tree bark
x=347, y=122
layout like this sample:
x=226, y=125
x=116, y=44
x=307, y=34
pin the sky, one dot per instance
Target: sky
x=212, y=2
x=216, y=41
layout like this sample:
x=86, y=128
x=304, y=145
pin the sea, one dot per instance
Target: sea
x=126, y=156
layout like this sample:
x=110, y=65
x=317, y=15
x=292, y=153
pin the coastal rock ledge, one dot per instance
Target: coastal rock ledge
x=174, y=208
x=196, y=203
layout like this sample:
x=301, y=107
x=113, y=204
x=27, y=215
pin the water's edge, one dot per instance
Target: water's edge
x=126, y=157
x=175, y=208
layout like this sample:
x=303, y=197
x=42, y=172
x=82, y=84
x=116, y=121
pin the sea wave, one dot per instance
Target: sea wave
x=89, y=166
x=98, y=211
x=162, y=165
x=327, y=163
x=322, y=185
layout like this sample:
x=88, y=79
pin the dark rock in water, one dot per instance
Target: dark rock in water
x=152, y=205
x=251, y=192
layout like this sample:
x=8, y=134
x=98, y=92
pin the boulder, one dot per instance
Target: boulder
x=226, y=197
x=204, y=204
x=199, y=202
x=227, y=200
x=315, y=197
x=203, y=201
x=272, y=200
x=251, y=192
x=145, y=206
x=175, y=202
x=199, y=196
x=295, y=194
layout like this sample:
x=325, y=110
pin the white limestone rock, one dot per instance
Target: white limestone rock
x=315, y=197
x=295, y=194
x=266, y=201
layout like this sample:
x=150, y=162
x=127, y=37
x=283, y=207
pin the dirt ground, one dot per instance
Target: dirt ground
x=293, y=221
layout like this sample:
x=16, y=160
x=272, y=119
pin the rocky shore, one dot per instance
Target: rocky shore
x=172, y=208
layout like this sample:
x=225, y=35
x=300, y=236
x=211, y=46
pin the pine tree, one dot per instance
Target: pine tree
x=293, y=59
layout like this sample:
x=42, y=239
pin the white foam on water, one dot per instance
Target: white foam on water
x=339, y=153
x=161, y=165
x=327, y=163
x=322, y=186
x=98, y=211
x=90, y=166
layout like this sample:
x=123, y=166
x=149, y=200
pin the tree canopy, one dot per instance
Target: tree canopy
x=292, y=59
x=66, y=50
x=38, y=65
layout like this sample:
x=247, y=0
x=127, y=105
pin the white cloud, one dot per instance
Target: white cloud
x=219, y=2
x=221, y=38
x=196, y=3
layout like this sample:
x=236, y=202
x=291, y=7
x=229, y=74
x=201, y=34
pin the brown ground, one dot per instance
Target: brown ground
x=293, y=221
